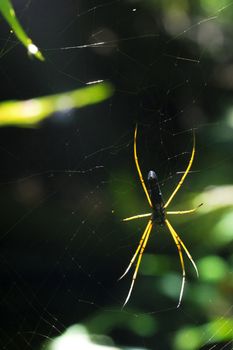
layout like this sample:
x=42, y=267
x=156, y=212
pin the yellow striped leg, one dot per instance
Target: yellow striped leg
x=171, y=230
x=137, y=217
x=181, y=212
x=138, y=167
x=179, y=243
x=137, y=250
x=142, y=248
x=184, y=247
x=185, y=173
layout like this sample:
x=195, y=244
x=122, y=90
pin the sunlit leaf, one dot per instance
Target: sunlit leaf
x=214, y=332
x=220, y=329
x=215, y=198
x=187, y=338
x=211, y=6
x=8, y=13
x=29, y=112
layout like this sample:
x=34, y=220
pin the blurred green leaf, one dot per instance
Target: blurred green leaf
x=220, y=329
x=170, y=285
x=212, y=268
x=212, y=6
x=30, y=112
x=145, y=325
x=8, y=13
x=200, y=293
x=214, y=198
x=153, y=264
x=216, y=331
x=187, y=338
x=222, y=231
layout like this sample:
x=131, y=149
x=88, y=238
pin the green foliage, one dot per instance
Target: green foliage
x=8, y=13
x=192, y=338
x=30, y=112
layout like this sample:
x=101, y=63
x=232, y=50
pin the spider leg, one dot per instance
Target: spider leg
x=188, y=255
x=143, y=245
x=137, y=250
x=171, y=229
x=177, y=242
x=137, y=217
x=181, y=212
x=138, y=167
x=184, y=175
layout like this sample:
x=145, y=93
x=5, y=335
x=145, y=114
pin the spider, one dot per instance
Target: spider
x=158, y=215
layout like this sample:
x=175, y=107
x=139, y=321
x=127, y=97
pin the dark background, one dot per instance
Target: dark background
x=67, y=183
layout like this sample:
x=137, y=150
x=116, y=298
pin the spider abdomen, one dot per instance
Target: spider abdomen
x=156, y=197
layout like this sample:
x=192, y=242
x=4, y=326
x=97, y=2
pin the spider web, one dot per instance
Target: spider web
x=67, y=185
